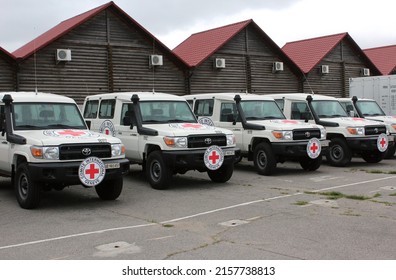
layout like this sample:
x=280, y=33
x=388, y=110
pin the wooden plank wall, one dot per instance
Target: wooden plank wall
x=7, y=74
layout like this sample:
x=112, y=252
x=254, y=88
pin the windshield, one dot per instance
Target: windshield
x=39, y=116
x=166, y=112
x=328, y=109
x=261, y=110
x=369, y=108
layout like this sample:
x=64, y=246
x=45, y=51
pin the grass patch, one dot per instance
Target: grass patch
x=338, y=195
x=167, y=225
x=392, y=194
x=301, y=203
x=386, y=203
x=377, y=171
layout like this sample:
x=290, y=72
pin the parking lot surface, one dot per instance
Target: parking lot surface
x=329, y=214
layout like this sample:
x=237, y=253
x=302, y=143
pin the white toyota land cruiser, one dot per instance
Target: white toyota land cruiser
x=161, y=133
x=348, y=136
x=263, y=133
x=369, y=109
x=45, y=144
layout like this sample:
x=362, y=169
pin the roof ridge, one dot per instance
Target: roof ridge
x=383, y=47
x=221, y=27
x=317, y=38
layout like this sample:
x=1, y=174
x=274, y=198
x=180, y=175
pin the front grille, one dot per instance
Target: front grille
x=206, y=141
x=374, y=129
x=74, y=151
x=303, y=134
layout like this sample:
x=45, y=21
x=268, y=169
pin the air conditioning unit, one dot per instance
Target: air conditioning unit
x=63, y=55
x=277, y=66
x=155, y=60
x=220, y=62
x=365, y=72
x=325, y=69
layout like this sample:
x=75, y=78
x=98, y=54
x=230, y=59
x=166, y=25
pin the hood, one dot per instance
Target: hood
x=285, y=124
x=64, y=136
x=184, y=129
x=350, y=121
x=385, y=119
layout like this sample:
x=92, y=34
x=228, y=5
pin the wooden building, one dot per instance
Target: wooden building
x=102, y=50
x=7, y=71
x=384, y=58
x=238, y=57
x=328, y=62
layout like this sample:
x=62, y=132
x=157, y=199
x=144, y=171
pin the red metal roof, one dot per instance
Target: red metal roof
x=57, y=32
x=66, y=26
x=383, y=57
x=199, y=46
x=308, y=53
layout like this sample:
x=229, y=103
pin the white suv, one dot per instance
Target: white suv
x=263, y=133
x=348, y=136
x=45, y=144
x=161, y=133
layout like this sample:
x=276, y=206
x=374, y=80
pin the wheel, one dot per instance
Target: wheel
x=390, y=152
x=221, y=175
x=373, y=157
x=28, y=193
x=339, y=153
x=110, y=189
x=157, y=172
x=310, y=164
x=264, y=159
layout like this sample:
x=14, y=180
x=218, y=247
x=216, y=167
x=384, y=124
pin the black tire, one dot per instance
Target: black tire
x=221, y=175
x=110, y=189
x=157, y=172
x=28, y=193
x=373, y=157
x=390, y=152
x=264, y=159
x=339, y=154
x=310, y=164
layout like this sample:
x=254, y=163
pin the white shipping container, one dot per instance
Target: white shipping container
x=380, y=88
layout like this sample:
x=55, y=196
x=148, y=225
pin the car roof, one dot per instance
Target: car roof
x=229, y=96
x=143, y=96
x=302, y=96
x=24, y=96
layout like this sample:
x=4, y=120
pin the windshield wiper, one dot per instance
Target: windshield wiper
x=60, y=125
x=179, y=121
x=27, y=126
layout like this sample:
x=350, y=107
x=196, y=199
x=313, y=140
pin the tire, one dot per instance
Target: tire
x=339, y=154
x=221, y=175
x=390, y=152
x=373, y=157
x=28, y=193
x=110, y=189
x=310, y=164
x=157, y=172
x=264, y=159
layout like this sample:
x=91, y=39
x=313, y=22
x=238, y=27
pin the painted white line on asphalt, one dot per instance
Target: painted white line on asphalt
x=187, y=217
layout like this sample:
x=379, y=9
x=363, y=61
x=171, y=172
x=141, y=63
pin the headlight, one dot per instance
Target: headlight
x=283, y=134
x=230, y=139
x=393, y=125
x=356, y=130
x=117, y=150
x=322, y=133
x=51, y=153
x=176, y=142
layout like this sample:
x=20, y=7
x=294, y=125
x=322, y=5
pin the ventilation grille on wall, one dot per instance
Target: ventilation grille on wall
x=219, y=63
x=155, y=60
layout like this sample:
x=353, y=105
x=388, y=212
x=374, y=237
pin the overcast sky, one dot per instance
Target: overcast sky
x=370, y=23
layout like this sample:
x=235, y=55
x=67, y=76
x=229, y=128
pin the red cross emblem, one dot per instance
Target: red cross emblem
x=192, y=125
x=314, y=148
x=382, y=142
x=71, y=132
x=92, y=171
x=290, y=121
x=214, y=157
x=358, y=119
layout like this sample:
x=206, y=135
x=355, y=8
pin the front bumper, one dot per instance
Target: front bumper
x=66, y=173
x=360, y=144
x=296, y=149
x=182, y=161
